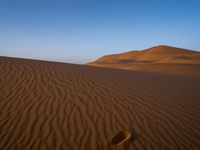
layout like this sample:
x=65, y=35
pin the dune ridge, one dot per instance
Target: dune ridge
x=49, y=105
x=162, y=58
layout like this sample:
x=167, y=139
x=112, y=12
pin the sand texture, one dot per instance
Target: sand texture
x=162, y=59
x=57, y=106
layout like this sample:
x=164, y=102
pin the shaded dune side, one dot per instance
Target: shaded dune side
x=188, y=70
x=48, y=105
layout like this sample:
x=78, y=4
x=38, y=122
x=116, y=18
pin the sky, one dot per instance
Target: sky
x=80, y=31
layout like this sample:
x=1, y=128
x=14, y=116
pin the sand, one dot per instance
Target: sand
x=57, y=106
x=161, y=59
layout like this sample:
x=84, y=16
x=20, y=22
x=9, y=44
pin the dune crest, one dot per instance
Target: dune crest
x=165, y=59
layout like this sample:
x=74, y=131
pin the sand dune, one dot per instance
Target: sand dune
x=161, y=58
x=58, y=106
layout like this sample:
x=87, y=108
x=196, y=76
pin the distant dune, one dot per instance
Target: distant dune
x=57, y=106
x=161, y=58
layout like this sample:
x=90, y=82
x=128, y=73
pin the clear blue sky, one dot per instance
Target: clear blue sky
x=79, y=31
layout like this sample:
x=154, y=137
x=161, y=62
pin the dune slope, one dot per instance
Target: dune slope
x=165, y=59
x=49, y=105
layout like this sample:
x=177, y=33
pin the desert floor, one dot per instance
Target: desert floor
x=57, y=106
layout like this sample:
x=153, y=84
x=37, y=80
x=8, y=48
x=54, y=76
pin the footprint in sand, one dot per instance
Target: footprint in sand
x=121, y=140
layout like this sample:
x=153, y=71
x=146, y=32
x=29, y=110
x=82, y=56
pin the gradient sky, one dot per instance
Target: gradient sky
x=78, y=31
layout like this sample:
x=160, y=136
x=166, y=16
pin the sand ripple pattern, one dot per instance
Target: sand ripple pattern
x=56, y=106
